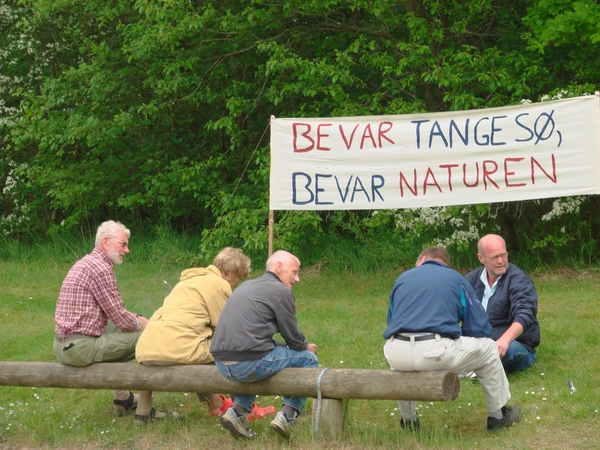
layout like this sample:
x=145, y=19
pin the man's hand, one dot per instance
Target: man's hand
x=503, y=343
x=144, y=323
x=312, y=348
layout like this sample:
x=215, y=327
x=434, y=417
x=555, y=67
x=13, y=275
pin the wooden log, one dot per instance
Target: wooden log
x=334, y=383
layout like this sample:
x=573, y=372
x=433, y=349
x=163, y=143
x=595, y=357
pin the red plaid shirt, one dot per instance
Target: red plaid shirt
x=89, y=297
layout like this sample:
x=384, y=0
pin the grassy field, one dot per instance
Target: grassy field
x=344, y=314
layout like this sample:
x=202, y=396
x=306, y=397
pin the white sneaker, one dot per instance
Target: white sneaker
x=282, y=425
x=237, y=425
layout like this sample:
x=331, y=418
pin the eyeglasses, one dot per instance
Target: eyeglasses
x=498, y=256
x=123, y=243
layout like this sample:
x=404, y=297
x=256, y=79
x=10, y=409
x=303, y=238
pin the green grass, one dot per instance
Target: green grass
x=344, y=314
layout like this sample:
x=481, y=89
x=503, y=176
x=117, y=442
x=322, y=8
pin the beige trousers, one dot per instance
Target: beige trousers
x=466, y=354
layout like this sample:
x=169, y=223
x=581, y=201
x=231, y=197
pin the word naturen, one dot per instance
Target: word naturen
x=328, y=189
x=485, y=131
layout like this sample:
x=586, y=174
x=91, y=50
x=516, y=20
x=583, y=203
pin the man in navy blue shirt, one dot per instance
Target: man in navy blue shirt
x=436, y=323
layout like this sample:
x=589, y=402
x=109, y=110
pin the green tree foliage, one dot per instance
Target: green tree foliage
x=157, y=110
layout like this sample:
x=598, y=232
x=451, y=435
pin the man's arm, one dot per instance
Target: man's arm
x=288, y=325
x=523, y=308
x=106, y=293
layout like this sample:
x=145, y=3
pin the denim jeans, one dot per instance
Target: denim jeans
x=517, y=357
x=279, y=358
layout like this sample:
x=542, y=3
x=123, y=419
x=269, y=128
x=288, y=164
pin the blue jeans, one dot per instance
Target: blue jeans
x=517, y=357
x=279, y=358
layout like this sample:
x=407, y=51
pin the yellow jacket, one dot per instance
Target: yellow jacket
x=181, y=330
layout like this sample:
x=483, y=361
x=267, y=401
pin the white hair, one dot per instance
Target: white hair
x=109, y=229
x=280, y=256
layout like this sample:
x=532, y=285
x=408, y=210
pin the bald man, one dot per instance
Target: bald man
x=510, y=299
x=243, y=346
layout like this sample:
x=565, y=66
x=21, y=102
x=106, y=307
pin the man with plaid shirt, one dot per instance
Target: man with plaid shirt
x=92, y=323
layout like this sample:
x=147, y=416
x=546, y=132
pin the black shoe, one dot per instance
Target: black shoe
x=412, y=425
x=154, y=416
x=123, y=407
x=510, y=415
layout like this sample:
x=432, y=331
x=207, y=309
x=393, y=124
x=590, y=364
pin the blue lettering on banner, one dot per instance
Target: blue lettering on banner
x=487, y=131
x=304, y=191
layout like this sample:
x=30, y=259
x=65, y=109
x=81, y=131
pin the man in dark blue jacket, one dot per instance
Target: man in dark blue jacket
x=510, y=299
x=435, y=323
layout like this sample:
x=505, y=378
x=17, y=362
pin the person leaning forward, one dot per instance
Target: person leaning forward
x=510, y=299
x=436, y=323
x=180, y=332
x=243, y=345
x=92, y=322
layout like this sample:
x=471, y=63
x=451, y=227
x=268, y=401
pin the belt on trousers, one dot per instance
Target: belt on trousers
x=424, y=337
x=70, y=337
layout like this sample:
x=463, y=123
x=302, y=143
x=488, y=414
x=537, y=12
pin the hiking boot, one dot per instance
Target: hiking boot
x=123, y=407
x=237, y=425
x=412, y=425
x=282, y=424
x=260, y=413
x=154, y=416
x=509, y=416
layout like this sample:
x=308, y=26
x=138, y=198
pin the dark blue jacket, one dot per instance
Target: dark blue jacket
x=433, y=298
x=515, y=300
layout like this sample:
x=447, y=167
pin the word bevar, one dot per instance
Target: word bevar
x=319, y=191
x=305, y=139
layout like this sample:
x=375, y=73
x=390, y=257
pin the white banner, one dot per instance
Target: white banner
x=540, y=150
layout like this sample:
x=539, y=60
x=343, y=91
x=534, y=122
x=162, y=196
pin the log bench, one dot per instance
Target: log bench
x=328, y=386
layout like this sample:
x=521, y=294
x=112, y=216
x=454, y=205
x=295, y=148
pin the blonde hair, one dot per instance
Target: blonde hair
x=233, y=260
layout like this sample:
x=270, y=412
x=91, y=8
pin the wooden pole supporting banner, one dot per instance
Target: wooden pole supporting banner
x=271, y=227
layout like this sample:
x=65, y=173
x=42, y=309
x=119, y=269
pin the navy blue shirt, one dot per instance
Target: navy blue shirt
x=436, y=299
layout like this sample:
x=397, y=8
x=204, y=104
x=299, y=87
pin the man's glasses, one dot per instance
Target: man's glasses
x=498, y=256
x=123, y=243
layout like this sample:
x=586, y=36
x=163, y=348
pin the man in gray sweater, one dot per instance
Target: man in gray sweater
x=243, y=346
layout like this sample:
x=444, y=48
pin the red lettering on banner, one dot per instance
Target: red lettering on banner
x=491, y=176
x=306, y=135
x=322, y=135
x=487, y=173
x=507, y=173
x=348, y=144
x=449, y=167
x=382, y=133
x=403, y=179
x=476, y=176
x=306, y=140
x=552, y=178
x=426, y=183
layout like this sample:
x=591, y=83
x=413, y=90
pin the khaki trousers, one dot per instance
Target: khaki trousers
x=466, y=354
x=113, y=346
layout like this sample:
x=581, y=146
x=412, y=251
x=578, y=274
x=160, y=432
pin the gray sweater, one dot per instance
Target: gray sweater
x=257, y=310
